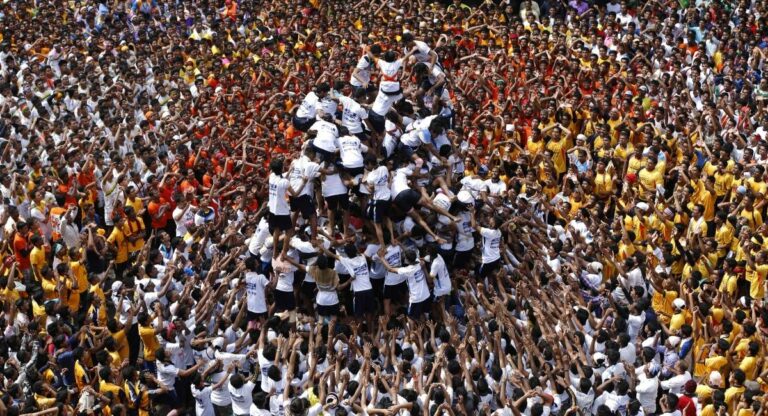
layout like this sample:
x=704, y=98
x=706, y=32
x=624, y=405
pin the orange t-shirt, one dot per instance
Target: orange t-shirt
x=153, y=208
x=19, y=245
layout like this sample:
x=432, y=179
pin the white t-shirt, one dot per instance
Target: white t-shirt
x=167, y=373
x=364, y=65
x=278, y=188
x=647, y=389
x=285, y=281
x=439, y=270
x=181, y=217
x=203, y=405
x=475, y=186
x=351, y=151
x=308, y=107
x=327, y=135
x=465, y=240
x=491, y=244
x=358, y=269
x=496, y=188
x=392, y=256
x=384, y=102
x=379, y=178
x=241, y=398
x=418, y=291
x=422, y=51
x=254, y=289
x=300, y=168
x=332, y=185
x=400, y=180
x=352, y=115
x=389, y=72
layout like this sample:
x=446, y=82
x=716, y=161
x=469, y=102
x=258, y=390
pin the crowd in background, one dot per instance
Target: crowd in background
x=317, y=207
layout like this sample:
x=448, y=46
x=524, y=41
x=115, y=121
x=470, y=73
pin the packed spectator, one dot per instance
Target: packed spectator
x=317, y=207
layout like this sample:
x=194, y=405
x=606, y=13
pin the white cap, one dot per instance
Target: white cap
x=715, y=378
x=598, y=356
x=581, y=137
x=116, y=286
x=465, y=197
x=678, y=303
x=596, y=266
x=673, y=340
x=642, y=206
x=218, y=342
x=144, y=282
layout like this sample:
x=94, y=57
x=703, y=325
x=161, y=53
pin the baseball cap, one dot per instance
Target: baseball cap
x=715, y=378
x=678, y=303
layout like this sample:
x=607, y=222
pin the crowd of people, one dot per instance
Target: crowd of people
x=316, y=207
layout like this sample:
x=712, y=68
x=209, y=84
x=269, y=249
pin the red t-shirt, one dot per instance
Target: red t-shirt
x=686, y=406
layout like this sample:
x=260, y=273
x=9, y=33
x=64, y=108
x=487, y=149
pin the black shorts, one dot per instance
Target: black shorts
x=378, y=287
x=337, y=202
x=327, y=156
x=279, y=222
x=447, y=255
x=462, y=258
x=307, y=289
x=304, y=205
x=298, y=278
x=327, y=310
x=363, y=302
x=354, y=171
x=395, y=292
x=284, y=301
x=303, y=123
x=415, y=310
x=377, y=121
x=407, y=200
x=253, y=316
x=378, y=210
x=487, y=269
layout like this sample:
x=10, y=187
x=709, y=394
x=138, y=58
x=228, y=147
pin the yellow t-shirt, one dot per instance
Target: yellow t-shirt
x=49, y=289
x=147, y=334
x=122, y=344
x=677, y=321
x=37, y=258
x=105, y=388
x=715, y=363
x=117, y=237
x=724, y=238
x=134, y=227
x=81, y=275
x=635, y=165
x=81, y=376
x=731, y=397
x=650, y=179
x=558, y=154
x=728, y=284
x=723, y=183
x=756, y=278
x=603, y=184
x=708, y=201
x=749, y=366
x=534, y=148
x=704, y=392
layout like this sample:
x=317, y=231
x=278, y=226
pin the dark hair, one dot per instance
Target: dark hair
x=276, y=166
